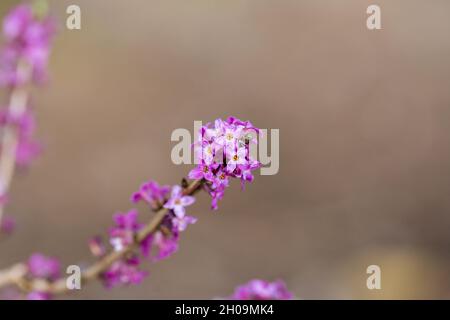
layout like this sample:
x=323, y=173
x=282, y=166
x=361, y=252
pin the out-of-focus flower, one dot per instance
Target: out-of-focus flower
x=166, y=245
x=124, y=272
x=37, y=295
x=96, y=246
x=122, y=234
x=152, y=193
x=27, y=148
x=28, y=39
x=262, y=290
x=181, y=223
x=40, y=266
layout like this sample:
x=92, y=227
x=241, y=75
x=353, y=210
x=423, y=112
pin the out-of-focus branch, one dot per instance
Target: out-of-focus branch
x=9, y=141
x=17, y=274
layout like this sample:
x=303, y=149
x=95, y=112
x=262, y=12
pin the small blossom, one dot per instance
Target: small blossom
x=16, y=22
x=28, y=38
x=177, y=201
x=166, y=244
x=122, y=234
x=96, y=246
x=181, y=223
x=36, y=295
x=40, y=266
x=237, y=158
x=262, y=290
x=124, y=272
x=202, y=171
x=27, y=148
x=152, y=193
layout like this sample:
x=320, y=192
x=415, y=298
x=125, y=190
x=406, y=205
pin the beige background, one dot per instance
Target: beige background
x=364, y=121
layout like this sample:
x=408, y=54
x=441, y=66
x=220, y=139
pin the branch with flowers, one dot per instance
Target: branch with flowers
x=222, y=153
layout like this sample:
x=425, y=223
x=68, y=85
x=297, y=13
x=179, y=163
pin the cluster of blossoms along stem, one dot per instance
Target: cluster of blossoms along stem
x=28, y=36
x=232, y=137
x=223, y=152
x=24, y=57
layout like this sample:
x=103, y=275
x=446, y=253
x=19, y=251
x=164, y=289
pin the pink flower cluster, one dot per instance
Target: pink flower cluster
x=28, y=148
x=23, y=59
x=222, y=152
x=40, y=266
x=262, y=290
x=157, y=246
x=28, y=39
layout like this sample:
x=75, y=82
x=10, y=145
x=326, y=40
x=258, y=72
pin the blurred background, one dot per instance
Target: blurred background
x=364, y=119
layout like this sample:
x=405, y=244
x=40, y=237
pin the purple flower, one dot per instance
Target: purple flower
x=220, y=180
x=181, y=223
x=262, y=290
x=152, y=193
x=236, y=159
x=166, y=244
x=37, y=295
x=28, y=38
x=223, y=152
x=40, y=266
x=124, y=272
x=178, y=201
x=202, y=171
x=96, y=246
x=16, y=22
x=27, y=148
x=122, y=234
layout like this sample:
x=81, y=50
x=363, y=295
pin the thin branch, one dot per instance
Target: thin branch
x=17, y=274
x=8, y=145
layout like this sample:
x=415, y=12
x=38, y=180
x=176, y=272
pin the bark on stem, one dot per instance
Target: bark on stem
x=17, y=106
x=16, y=275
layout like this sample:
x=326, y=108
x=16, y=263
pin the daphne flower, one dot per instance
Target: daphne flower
x=16, y=22
x=262, y=290
x=178, y=201
x=205, y=151
x=181, y=223
x=37, y=295
x=40, y=266
x=152, y=193
x=126, y=227
x=97, y=247
x=27, y=148
x=237, y=157
x=28, y=39
x=124, y=272
x=202, y=171
x=216, y=195
x=220, y=180
x=166, y=244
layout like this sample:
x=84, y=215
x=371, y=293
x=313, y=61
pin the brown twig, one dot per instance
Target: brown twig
x=17, y=274
x=17, y=106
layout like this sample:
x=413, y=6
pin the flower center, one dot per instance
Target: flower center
x=235, y=157
x=229, y=136
x=178, y=202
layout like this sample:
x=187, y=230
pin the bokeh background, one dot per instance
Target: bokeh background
x=364, y=119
